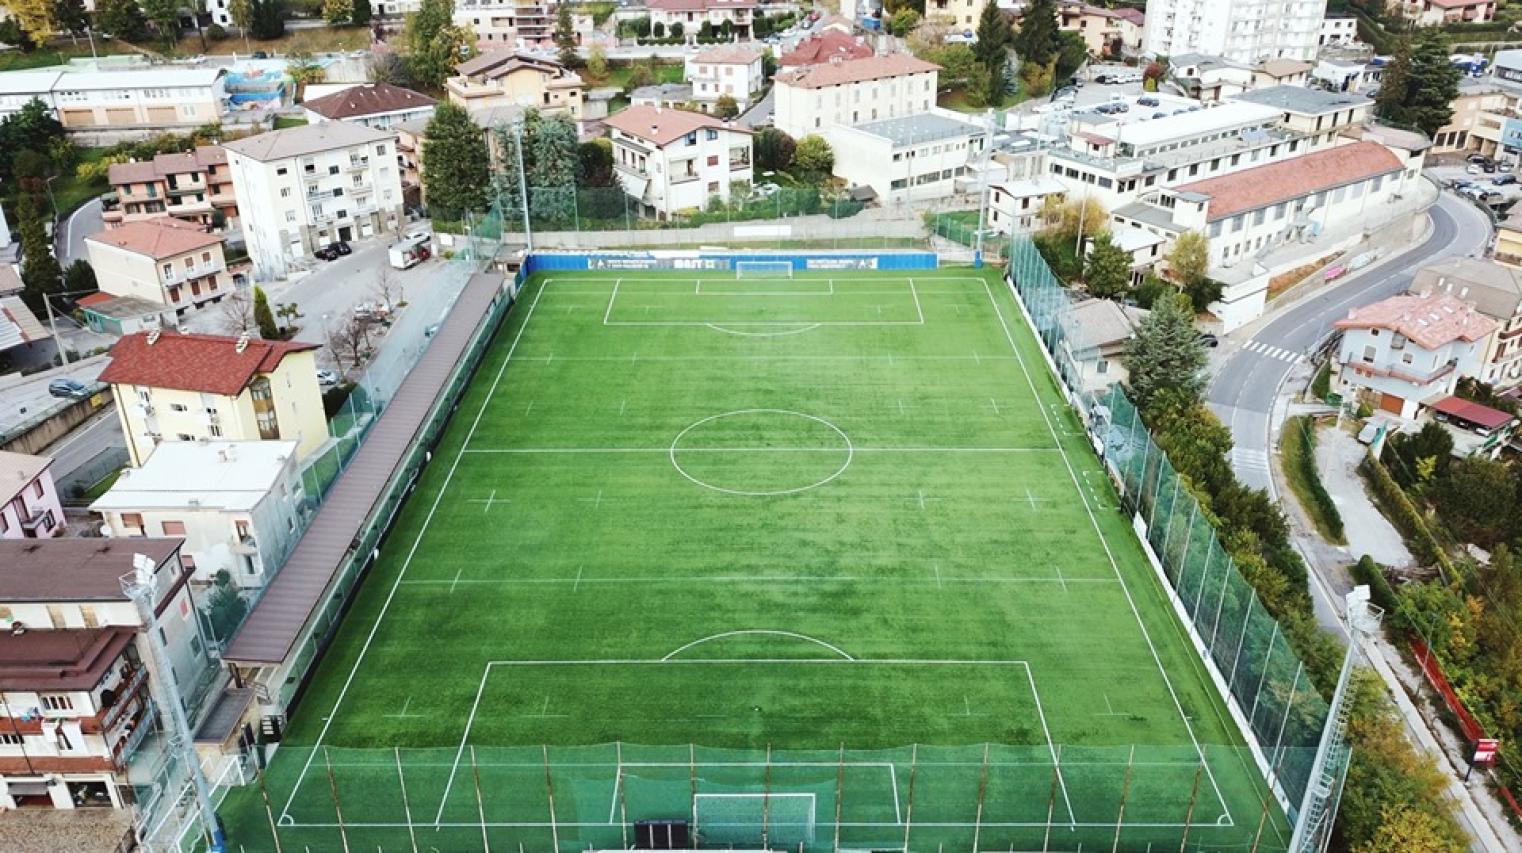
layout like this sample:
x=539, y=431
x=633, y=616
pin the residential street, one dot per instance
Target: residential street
x=84, y=221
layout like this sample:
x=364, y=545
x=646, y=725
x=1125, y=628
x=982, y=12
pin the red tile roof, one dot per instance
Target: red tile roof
x=821, y=47
x=157, y=238
x=367, y=100
x=1262, y=186
x=729, y=54
x=1468, y=410
x=163, y=165
x=660, y=126
x=835, y=73
x=61, y=660
x=1135, y=16
x=209, y=363
x=699, y=5
x=1430, y=320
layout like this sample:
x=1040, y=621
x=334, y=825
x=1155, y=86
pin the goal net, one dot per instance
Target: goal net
x=783, y=820
x=763, y=269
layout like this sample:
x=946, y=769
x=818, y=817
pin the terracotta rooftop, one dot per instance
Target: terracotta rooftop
x=1135, y=16
x=503, y=62
x=728, y=54
x=1459, y=4
x=835, y=73
x=700, y=5
x=157, y=238
x=819, y=48
x=660, y=126
x=208, y=363
x=1475, y=413
x=1284, y=67
x=1430, y=320
x=60, y=660
x=164, y=165
x=1284, y=180
x=367, y=100
x=73, y=569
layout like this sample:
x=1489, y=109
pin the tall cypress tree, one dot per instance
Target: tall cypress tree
x=1166, y=352
x=1037, y=40
x=994, y=36
x=455, y=162
x=40, y=273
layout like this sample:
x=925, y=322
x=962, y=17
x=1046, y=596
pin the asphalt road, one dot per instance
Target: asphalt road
x=84, y=221
x=23, y=398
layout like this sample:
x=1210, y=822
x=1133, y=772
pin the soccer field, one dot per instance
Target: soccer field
x=811, y=562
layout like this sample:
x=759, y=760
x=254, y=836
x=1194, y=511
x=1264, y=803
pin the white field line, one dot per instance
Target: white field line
x=987, y=824
x=397, y=584
x=975, y=358
x=697, y=285
x=582, y=580
x=1105, y=543
x=667, y=450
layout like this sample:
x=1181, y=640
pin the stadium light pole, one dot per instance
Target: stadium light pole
x=528, y=236
x=988, y=154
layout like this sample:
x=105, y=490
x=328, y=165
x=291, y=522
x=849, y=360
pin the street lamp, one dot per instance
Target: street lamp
x=48, y=185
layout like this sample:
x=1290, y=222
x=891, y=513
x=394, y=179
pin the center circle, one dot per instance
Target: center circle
x=761, y=452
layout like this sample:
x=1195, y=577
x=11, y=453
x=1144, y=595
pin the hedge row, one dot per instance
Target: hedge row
x=1406, y=516
x=1300, y=458
x=1366, y=571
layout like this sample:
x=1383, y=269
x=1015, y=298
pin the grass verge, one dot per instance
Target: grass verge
x=1299, y=448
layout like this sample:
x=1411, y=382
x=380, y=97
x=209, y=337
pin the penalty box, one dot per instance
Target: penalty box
x=764, y=302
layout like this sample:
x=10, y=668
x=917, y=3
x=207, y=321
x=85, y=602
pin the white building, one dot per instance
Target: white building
x=672, y=160
x=1097, y=332
x=1246, y=31
x=29, y=503
x=1338, y=31
x=692, y=14
x=725, y=70
x=304, y=187
x=79, y=688
x=167, y=261
x=236, y=504
x=913, y=158
x=1495, y=290
x=140, y=98
x=1014, y=207
x=851, y=92
x=1408, y=351
x=377, y=105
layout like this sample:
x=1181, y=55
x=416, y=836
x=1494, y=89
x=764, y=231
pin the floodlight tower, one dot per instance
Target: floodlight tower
x=139, y=585
x=1323, y=789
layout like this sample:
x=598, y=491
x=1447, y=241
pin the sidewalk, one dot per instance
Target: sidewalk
x=1338, y=456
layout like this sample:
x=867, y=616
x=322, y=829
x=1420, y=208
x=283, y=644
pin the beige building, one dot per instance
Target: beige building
x=1495, y=291
x=850, y=92
x=1479, y=114
x=176, y=387
x=673, y=160
x=1105, y=32
x=1508, y=249
x=312, y=186
x=193, y=186
x=1431, y=13
x=514, y=24
x=164, y=261
x=149, y=98
x=725, y=70
x=692, y=14
x=960, y=15
x=1282, y=72
x=508, y=78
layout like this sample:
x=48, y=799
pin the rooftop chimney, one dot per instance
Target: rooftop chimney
x=153, y=337
x=242, y=343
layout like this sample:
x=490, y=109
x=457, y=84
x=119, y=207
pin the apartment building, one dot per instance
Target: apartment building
x=1408, y=351
x=313, y=185
x=1245, y=31
x=815, y=98
x=1014, y=207
x=673, y=160
x=80, y=688
x=508, y=78
x=178, y=387
x=1338, y=31
x=822, y=47
x=1208, y=78
x=377, y=105
x=1282, y=72
x=237, y=504
x=29, y=503
x=1432, y=13
x=692, y=14
x=195, y=186
x=1105, y=32
x=411, y=137
x=913, y=158
x=1495, y=290
x=163, y=261
x=725, y=70
x=1249, y=212
x=518, y=24
x=959, y=15
x=154, y=98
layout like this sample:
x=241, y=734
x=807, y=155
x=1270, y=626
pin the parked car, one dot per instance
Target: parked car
x=1148, y=102
x=1505, y=166
x=1503, y=180
x=333, y=251
x=67, y=388
x=1473, y=169
x=1476, y=158
x=327, y=378
x=1208, y=340
x=1488, y=168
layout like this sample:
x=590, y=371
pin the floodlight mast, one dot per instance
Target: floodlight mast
x=139, y=586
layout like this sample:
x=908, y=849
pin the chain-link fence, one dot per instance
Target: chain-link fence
x=1268, y=688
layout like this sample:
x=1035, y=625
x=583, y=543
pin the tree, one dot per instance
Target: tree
x=455, y=161
x=1405, y=829
x=725, y=107
x=36, y=18
x=387, y=66
x=241, y=12
x=238, y=313
x=12, y=34
x=565, y=37
x=903, y=21
x=677, y=29
x=303, y=69
x=165, y=17
x=80, y=276
x=1189, y=259
x=434, y=44
x=768, y=64
x=1478, y=499
x=1416, y=459
x=264, y=318
x=122, y=19
x=595, y=163
x=958, y=64
x=1203, y=291
x=1072, y=52
x=40, y=274
x=70, y=16
x=225, y=608
x=813, y=156
x=1419, y=84
x=774, y=150
x=362, y=13
x=349, y=339
x=994, y=36
x=338, y=12
x=597, y=63
x=551, y=163
x=1166, y=353
x=1068, y=218
x=268, y=19
x=1037, y=40
x=1108, y=272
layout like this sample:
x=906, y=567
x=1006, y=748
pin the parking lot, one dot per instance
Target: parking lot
x=1488, y=182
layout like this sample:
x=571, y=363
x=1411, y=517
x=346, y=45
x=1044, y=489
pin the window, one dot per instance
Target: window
x=8, y=739
x=713, y=159
x=174, y=528
x=57, y=701
x=333, y=169
x=1368, y=354
x=280, y=171
x=285, y=192
x=132, y=519
x=168, y=270
x=710, y=134
x=37, y=488
x=290, y=216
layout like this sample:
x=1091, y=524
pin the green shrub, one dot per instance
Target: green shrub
x=1299, y=446
x=1366, y=571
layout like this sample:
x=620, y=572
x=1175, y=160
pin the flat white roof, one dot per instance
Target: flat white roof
x=1130, y=238
x=28, y=82
x=1030, y=187
x=1191, y=125
x=228, y=475
x=152, y=78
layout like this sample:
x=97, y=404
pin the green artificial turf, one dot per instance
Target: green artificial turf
x=707, y=533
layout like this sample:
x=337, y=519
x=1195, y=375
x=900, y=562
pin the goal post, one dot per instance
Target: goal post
x=743, y=819
x=763, y=269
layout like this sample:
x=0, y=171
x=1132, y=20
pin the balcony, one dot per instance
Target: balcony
x=358, y=164
x=685, y=178
x=38, y=523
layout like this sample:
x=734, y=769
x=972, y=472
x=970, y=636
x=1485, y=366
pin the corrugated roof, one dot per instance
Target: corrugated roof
x=660, y=126
x=1430, y=320
x=73, y=569
x=308, y=139
x=367, y=100
x=835, y=73
x=18, y=325
x=209, y=363
x=166, y=237
x=1284, y=180
x=1468, y=410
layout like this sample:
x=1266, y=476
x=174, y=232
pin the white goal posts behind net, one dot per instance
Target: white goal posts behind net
x=763, y=269
x=785, y=819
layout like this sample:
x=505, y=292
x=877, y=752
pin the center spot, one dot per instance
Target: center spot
x=760, y=452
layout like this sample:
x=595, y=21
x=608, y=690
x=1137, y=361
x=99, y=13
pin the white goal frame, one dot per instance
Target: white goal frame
x=768, y=269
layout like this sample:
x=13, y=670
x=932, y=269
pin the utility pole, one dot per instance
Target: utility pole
x=528, y=237
x=988, y=153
